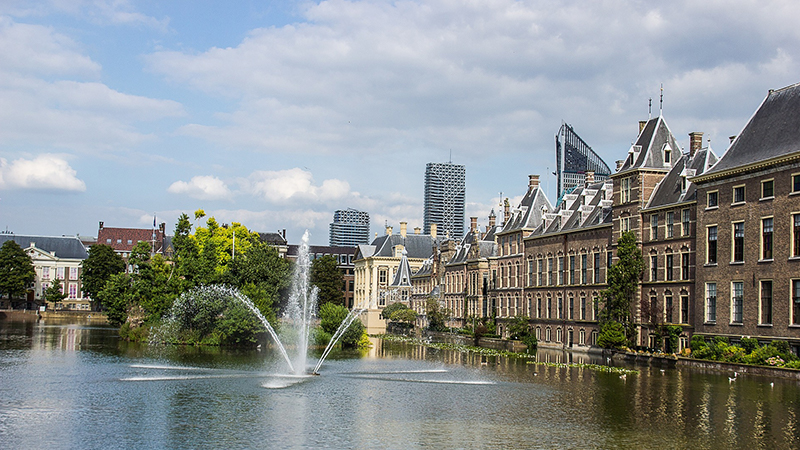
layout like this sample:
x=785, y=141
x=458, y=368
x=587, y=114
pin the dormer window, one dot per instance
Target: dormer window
x=683, y=183
x=667, y=156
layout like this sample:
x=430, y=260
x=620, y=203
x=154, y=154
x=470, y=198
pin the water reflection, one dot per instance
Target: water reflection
x=82, y=384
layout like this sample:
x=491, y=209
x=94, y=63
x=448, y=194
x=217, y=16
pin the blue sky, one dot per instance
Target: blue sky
x=275, y=114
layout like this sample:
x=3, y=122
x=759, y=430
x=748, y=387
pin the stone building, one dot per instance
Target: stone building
x=748, y=222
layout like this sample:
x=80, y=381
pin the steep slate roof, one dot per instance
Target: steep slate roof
x=528, y=214
x=418, y=246
x=69, y=247
x=584, y=207
x=650, y=145
x=272, y=238
x=773, y=131
x=668, y=190
x=402, y=278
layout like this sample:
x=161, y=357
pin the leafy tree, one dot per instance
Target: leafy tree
x=54, y=293
x=16, y=270
x=98, y=267
x=390, y=309
x=518, y=328
x=612, y=335
x=407, y=316
x=331, y=317
x=115, y=298
x=623, y=286
x=267, y=274
x=437, y=315
x=327, y=277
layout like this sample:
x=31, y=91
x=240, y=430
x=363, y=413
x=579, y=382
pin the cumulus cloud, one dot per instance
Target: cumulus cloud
x=45, y=172
x=296, y=184
x=201, y=188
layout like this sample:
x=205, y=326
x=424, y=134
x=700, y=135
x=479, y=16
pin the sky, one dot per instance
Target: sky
x=274, y=114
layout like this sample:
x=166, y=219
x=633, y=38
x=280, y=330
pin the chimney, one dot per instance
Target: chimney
x=162, y=228
x=403, y=229
x=620, y=163
x=492, y=219
x=589, y=177
x=732, y=138
x=388, y=230
x=417, y=230
x=506, y=211
x=473, y=224
x=642, y=124
x=433, y=230
x=284, y=234
x=695, y=142
x=533, y=181
x=101, y=224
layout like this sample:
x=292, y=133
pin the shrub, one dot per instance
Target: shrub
x=749, y=344
x=612, y=335
x=697, y=343
x=531, y=342
x=780, y=346
x=332, y=315
x=793, y=364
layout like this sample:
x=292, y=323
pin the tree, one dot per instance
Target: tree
x=115, y=298
x=518, y=328
x=623, y=286
x=98, y=267
x=390, y=309
x=54, y=293
x=326, y=275
x=331, y=317
x=16, y=270
x=437, y=315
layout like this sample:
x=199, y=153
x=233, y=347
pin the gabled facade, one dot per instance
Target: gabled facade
x=122, y=240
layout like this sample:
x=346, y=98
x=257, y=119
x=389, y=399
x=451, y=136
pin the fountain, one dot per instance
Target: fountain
x=297, y=320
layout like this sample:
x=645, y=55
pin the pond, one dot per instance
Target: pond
x=79, y=386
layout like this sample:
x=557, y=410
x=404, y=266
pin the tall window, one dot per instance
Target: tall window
x=571, y=308
x=684, y=266
x=712, y=199
x=654, y=227
x=584, y=267
x=540, y=263
x=711, y=245
x=685, y=222
x=738, y=242
x=766, y=303
x=668, y=308
x=669, y=268
x=738, y=194
x=711, y=302
x=572, y=269
x=583, y=308
x=560, y=306
x=795, y=302
x=539, y=308
x=670, y=224
x=73, y=273
x=596, y=267
x=796, y=183
x=549, y=307
x=551, y=279
x=609, y=261
x=625, y=190
x=767, y=189
x=653, y=268
x=625, y=224
x=737, y=301
x=73, y=290
x=766, y=238
x=561, y=270
x=796, y=234
x=530, y=273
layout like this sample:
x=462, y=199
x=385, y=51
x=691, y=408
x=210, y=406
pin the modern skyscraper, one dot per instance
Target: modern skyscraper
x=445, y=193
x=349, y=228
x=574, y=158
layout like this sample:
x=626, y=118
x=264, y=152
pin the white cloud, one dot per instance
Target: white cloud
x=294, y=185
x=201, y=188
x=45, y=172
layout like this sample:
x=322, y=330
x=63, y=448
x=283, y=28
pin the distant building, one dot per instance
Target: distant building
x=122, y=240
x=574, y=158
x=343, y=255
x=277, y=240
x=349, y=228
x=445, y=197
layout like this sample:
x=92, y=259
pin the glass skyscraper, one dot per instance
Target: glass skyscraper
x=445, y=194
x=349, y=228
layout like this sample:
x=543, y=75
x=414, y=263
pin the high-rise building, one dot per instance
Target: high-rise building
x=349, y=228
x=574, y=158
x=445, y=193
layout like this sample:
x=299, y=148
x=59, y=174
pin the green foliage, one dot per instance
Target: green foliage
x=697, y=342
x=115, y=298
x=387, y=312
x=16, y=270
x=407, y=316
x=672, y=333
x=327, y=277
x=623, y=286
x=332, y=315
x=54, y=293
x=238, y=326
x=518, y=328
x=98, y=267
x=260, y=266
x=748, y=351
x=531, y=342
x=612, y=335
x=437, y=315
x=781, y=346
x=749, y=344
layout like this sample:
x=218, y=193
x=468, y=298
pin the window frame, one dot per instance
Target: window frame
x=669, y=266
x=669, y=220
x=734, y=190
x=795, y=180
x=764, y=184
x=712, y=249
x=715, y=204
x=686, y=222
x=737, y=243
x=737, y=303
x=761, y=302
x=711, y=302
x=766, y=241
x=654, y=227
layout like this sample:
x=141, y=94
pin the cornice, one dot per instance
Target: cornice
x=783, y=159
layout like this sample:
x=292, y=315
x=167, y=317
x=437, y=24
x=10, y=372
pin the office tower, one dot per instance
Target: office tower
x=445, y=193
x=349, y=228
x=574, y=158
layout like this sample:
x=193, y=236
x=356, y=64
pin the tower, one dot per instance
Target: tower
x=574, y=158
x=349, y=228
x=445, y=193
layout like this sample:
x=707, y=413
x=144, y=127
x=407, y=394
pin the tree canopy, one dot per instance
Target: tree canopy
x=623, y=286
x=327, y=277
x=16, y=270
x=98, y=267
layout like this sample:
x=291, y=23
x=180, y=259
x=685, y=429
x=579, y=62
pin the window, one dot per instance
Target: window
x=653, y=268
x=667, y=155
x=767, y=189
x=669, y=268
x=738, y=242
x=108, y=241
x=560, y=306
x=796, y=235
x=529, y=282
x=119, y=241
x=796, y=183
x=766, y=238
x=685, y=266
x=73, y=290
x=711, y=302
x=382, y=276
x=737, y=301
x=625, y=190
x=668, y=308
x=685, y=222
x=670, y=224
x=73, y=273
x=625, y=224
x=540, y=265
x=60, y=273
x=45, y=273
x=711, y=245
x=561, y=270
x=609, y=261
x=584, y=267
x=571, y=308
x=539, y=308
x=572, y=269
x=551, y=279
x=597, y=267
x=738, y=194
x=765, y=308
x=549, y=307
x=795, y=302
x=712, y=199
x=684, y=309
x=582, y=337
x=583, y=308
x=654, y=227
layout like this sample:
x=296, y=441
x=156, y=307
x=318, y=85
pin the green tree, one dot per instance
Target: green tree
x=390, y=309
x=327, y=277
x=407, y=316
x=54, y=293
x=261, y=274
x=115, y=298
x=623, y=285
x=518, y=327
x=437, y=315
x=16, y=270
x=98, y=267
x=331, y=317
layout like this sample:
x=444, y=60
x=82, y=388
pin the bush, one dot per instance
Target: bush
x=749, y=344
x=697, y=343
x=612, y=335
x=531, y=341
x=331, y=317
x=780, y=346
